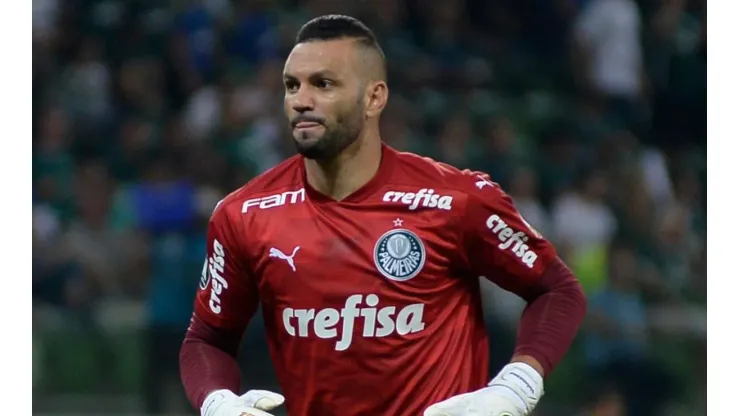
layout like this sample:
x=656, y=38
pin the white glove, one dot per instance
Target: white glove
x=515, y=391
x=251, y=403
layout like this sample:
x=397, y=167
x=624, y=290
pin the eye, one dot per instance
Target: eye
x=324, y=84
x=291, y=86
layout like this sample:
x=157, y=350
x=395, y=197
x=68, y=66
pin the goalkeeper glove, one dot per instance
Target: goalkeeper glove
x=251, y=403
x=515, y=391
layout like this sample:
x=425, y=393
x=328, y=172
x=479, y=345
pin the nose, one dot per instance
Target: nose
x=302, y=101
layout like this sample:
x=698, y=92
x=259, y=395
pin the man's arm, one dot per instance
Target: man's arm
x=497, y=243
x=208, y=361
x=501, y=246
x=551, y=319
x=226, y=300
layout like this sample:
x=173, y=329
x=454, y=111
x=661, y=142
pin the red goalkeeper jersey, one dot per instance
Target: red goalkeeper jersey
x=372, y=304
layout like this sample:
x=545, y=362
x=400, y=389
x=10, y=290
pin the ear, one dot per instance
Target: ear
x=376, y=97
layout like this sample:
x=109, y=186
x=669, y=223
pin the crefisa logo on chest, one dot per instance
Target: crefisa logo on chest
x=399, y=254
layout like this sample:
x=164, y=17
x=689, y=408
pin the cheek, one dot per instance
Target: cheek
x=339, y=111
x=352, y=109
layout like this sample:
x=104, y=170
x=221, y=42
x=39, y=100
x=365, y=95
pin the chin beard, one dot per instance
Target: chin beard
x=326, y=147
x=313, y=151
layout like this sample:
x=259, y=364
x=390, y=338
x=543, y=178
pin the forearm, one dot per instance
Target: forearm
x=551, y=319
x=530, y=361
x=208, y=361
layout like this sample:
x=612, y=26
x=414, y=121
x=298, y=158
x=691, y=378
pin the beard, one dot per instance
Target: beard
x=335, y=138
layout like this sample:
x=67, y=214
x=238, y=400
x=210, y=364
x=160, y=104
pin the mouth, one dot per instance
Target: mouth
x=306, y=125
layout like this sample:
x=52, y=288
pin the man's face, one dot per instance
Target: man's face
x=324, y=97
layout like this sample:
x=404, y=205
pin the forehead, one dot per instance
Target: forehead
x=316, y=56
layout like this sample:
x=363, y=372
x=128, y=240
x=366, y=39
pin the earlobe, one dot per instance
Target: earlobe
x=375, y=107
x=377, y=100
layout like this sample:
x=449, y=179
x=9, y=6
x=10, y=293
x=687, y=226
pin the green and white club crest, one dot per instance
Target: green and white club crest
x=399, y=254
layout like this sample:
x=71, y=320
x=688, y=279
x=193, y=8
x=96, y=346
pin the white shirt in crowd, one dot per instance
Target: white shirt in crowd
x=581, y=223
x=610, y=31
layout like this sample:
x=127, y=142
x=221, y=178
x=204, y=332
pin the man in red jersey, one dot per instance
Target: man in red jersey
x=365, y=261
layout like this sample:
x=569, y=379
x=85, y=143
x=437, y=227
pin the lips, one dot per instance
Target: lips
x=306, y=124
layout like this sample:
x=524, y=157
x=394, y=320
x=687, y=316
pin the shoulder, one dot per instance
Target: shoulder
x=282, y=178
x=426, y=172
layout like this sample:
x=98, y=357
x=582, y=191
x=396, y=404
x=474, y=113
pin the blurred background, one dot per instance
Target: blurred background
x=590, y=113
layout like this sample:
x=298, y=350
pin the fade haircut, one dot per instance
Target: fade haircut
x=337, y=26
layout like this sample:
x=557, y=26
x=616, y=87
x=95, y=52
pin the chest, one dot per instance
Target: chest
x=315, y=255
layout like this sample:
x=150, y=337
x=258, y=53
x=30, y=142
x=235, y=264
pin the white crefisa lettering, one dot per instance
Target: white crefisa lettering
x=216, y=265
x=514, y=241
x=330, y=323
x=277, y=200
x=423, y=198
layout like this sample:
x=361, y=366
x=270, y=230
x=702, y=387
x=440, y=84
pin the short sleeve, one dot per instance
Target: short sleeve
x=227, y=295
x=498, y=243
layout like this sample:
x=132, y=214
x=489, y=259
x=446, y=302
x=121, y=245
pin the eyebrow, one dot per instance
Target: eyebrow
x=324, y=73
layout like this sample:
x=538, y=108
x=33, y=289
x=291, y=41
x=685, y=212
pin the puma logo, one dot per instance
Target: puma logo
x=282, y=256
x=483, y=182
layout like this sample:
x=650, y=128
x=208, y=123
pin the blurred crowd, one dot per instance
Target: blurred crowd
x=590, y=113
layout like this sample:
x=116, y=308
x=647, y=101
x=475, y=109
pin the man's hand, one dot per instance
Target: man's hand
x=251, y=403
x=515, y=391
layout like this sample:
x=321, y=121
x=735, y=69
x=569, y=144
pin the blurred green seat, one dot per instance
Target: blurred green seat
x=76, y=362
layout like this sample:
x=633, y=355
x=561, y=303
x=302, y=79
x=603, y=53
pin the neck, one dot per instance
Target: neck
x=341, y=176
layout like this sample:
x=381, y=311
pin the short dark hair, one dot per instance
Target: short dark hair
x=338, y=26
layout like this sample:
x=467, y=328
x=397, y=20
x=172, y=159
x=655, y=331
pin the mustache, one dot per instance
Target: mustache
x=306, y=118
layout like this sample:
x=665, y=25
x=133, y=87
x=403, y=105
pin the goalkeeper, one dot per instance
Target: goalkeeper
x=365, y=261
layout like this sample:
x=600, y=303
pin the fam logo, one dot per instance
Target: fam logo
x=399, y=254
